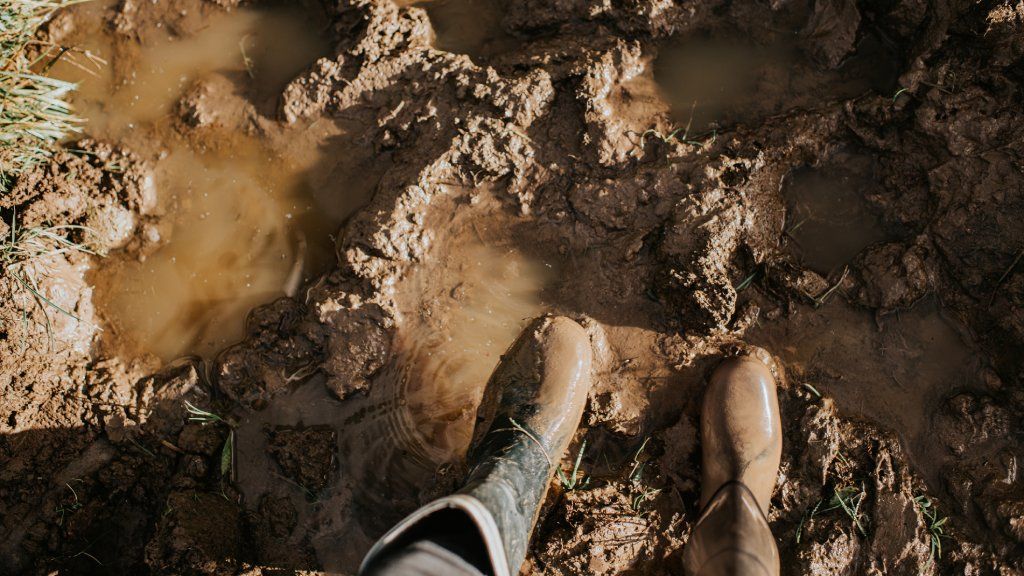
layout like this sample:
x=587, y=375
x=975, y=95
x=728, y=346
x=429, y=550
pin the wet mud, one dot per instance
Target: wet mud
x=324, y=222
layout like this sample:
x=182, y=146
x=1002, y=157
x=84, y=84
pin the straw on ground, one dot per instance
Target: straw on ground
x=34, y=113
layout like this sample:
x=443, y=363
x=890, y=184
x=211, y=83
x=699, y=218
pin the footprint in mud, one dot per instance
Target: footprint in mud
x=716, y=83
x=828, y=218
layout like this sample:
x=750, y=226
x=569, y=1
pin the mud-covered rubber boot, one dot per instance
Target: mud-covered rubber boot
x=741, y=441
x=531, y=408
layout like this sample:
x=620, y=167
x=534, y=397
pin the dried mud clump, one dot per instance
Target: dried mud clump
x=282, y=345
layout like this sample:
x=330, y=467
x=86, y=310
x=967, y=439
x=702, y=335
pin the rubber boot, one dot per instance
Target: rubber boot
x=531, y=408
x=741, y=441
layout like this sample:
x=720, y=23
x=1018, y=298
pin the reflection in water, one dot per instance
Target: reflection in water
x=239, y=219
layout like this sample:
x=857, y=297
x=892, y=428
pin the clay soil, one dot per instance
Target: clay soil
x=856, y=208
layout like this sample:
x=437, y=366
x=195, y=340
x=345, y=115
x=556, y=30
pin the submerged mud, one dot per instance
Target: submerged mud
x=843, y=186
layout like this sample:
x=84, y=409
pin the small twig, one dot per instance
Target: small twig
x=820, y=300
x=999, y=283
x=171, y=447
x=245, y=56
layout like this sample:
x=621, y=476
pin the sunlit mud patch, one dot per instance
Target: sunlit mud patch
x=828, y=220
x=241, y=224
x=468, y=27
x=716, y=83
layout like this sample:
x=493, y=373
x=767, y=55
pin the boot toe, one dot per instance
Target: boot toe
x=740, y=428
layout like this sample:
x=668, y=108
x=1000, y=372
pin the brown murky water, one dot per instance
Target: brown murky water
x=828, y=220
x=716, y=83
x=713, y=82
x=242, y=226
x=471, y=27
x=453, y=339
x=419, y=412
x=893, y=372
x=241, y=238
x=248, y=221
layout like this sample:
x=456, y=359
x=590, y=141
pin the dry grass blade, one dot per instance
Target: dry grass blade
x=34, y=115
x=22, y=254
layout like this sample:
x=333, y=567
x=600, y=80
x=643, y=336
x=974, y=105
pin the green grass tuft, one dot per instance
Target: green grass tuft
x=640, y=490
x=935, y=525
x=227, y=452
x=201, y=416
x=34, y=113
x=846, y=498
x=575, y=480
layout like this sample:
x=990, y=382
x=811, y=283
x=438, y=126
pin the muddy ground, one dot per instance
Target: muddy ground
x=854, y=202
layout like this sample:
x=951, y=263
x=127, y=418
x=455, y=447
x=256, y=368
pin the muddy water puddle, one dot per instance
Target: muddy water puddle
x=894, y=372
x=241, y=238
x=471, y=27
x=120, y=90
x=455, y=337
x=240, y=222
x=421, y=407
x=716, y=83
x=828, y=219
